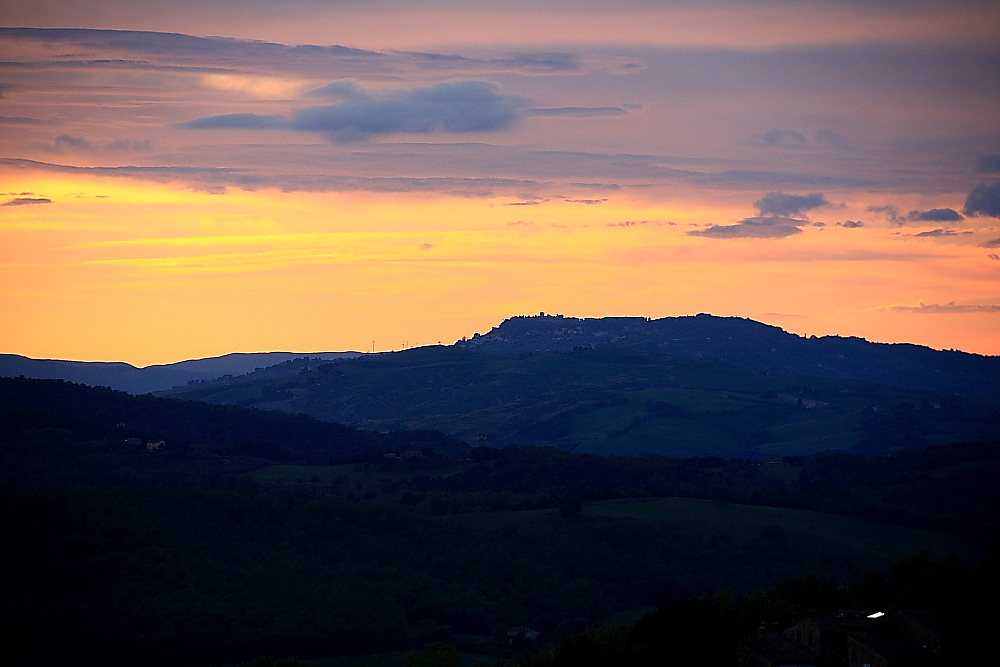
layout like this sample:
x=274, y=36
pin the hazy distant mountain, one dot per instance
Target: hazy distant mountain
x=745, y=342
x=127, y=377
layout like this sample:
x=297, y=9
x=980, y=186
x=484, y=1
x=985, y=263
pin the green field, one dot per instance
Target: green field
x=739, y=546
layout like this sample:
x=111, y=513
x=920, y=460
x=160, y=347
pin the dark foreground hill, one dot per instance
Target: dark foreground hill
x=126, y=377
x=610, y=401
x=128, y=576
x=57, y=431
x=744, y=342
x=280, y=534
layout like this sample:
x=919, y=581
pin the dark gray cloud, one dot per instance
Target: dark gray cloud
x=577, y=112
x=832, y=139
x=585, y=201
x=460, y=106
x=995, y=243
x=984, y=200
x=27, y=201
x=783, y=204
x=781, y=215
x=935, y=215
x=890, y=212
x=64, y=141
x=236, y=121
x=988, y=164
x=937, y=233
x=784, y=138
x=456, y=106
x=851, y=224
x=760, y=227
x=950, y=307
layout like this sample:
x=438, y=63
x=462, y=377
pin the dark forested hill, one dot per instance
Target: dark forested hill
x=52, y=430
x=610, y=401
x=745, y=342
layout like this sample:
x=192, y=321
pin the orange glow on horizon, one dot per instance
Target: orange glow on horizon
x=125, y=270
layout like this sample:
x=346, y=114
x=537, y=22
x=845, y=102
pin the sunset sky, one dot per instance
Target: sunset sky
x=183, y=179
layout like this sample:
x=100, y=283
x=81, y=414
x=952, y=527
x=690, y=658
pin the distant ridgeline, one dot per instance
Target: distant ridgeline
x=126, y=377
x=745, y=342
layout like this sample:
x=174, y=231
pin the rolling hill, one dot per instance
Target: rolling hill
x=750, y=344
x=610, y=401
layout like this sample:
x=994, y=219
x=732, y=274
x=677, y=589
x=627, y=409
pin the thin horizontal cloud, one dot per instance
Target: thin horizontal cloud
x=217, y=179
x=760, y=227
x=995, y=243
x=576, y=112
x=585, y=201
x=27, y=201
x=159, y=50
x=950, y=307
x=23, y=120
x=851, y=224
x=236, y=121
x=938, y=233
x=538, y=62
